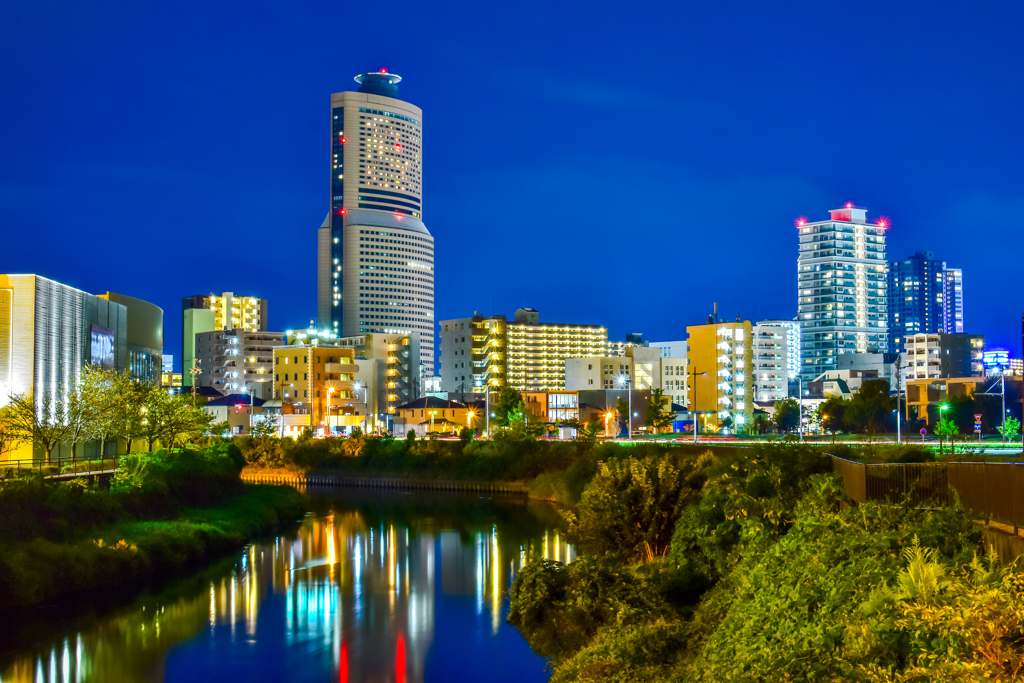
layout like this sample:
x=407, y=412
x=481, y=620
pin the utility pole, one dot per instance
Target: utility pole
x=195, y=371
x=696, y=422
x=801, y=408
x=628, y=381
x=899, y=414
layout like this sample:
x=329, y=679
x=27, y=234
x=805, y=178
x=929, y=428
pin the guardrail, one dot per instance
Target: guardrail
x=299, y=479
x=993, y=491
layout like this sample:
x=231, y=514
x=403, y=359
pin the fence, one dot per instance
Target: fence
x=57, y=467
x=992, y=491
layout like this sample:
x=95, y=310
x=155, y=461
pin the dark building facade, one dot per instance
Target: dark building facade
x=925, y=297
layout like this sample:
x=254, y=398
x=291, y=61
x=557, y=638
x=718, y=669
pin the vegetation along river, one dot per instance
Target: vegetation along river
x=373, y=586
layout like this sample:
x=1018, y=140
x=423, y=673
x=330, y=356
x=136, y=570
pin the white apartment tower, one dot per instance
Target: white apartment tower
x=841, y=280
x=375, y=257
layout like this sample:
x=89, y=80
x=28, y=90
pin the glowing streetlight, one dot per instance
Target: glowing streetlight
x=623, y=379
x=470, y=414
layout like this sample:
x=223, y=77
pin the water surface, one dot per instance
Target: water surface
x=374, y=586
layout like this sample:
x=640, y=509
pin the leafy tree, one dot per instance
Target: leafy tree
x=1010, y=428
x=9, y=437
x=760, y=424
x=184, y=422
x=98, y=388
x=508, y=400
x=263, y=446
x=870, y=409
x=127, y=398
x=466, y=436
x=946, y=427
x=45, y=424
x=631, y=507
x=658, y=416
x=622, y=412
x=786, y=415
x=832, y=413
x=592, y=429
x=82, y=411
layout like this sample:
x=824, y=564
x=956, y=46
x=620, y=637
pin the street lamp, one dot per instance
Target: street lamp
x=470, y=414
x=952, y=448
x=623, y=379
x=696, y=421
x=432, y=414
x=356, y=386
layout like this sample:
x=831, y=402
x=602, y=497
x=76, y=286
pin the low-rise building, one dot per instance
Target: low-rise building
x=316, y=384
x=932, y=356
x=432, y=415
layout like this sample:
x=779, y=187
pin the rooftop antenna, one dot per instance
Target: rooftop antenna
x=716, y=312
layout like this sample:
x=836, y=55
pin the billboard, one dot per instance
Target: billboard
x=102, y=347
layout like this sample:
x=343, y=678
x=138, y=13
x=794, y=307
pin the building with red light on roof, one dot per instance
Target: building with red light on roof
x=375, y=257
x=842, y=288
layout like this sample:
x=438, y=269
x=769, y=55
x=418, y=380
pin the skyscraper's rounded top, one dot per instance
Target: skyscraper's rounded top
x=379, y=83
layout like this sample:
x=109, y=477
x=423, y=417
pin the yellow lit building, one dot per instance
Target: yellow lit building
x=314, y=381
x=525, y=354
x=170, y=380
x=722, y=391
x=212, y=313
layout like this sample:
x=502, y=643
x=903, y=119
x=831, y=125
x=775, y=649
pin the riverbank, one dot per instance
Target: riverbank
x=164, y=512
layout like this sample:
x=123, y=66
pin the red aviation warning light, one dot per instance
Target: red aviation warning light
x=884, y=222
x=849, y=205
x=342, y=212
x=383, y=71
x=801, y=222
x=342, y=140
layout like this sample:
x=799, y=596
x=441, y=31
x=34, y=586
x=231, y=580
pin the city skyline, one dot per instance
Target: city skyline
x=518, y=151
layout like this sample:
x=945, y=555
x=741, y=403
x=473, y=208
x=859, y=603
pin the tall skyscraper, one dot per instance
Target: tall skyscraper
x=375, y=258
x=925, y=297
x=841, y=280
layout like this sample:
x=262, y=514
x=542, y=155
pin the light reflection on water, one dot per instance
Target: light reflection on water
x=372, y=587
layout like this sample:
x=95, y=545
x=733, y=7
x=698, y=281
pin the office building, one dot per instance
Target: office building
x=670, y=349
x=842, y=289
x=934, y=356
x=771, y=358
x=647, y=369
x=525, y=353
x=145, y=337
x=238, y=361
x=375, y=257
x=1016, y=367
x=212, y=313
x=924, y=297
x=167, y=363
x=721, y=366
x=597, y=372
x=49, y=332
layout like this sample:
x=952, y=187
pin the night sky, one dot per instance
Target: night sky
x=622, y=164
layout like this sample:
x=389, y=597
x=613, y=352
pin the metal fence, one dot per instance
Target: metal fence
x=57, y=467
x=991, y=491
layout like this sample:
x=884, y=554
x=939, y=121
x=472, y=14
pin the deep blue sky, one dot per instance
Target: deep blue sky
x=620, y=163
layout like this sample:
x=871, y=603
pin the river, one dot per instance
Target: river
x=373, y=586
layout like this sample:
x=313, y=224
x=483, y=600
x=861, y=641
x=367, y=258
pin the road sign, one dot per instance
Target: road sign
x=977, y=418
x=923, y=431
x=977, y=426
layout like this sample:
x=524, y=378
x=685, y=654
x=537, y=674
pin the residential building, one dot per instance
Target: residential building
x=145, y=337
x=238, y=411
x=842, y=290
x=433, y=415
x=673, y=380
x=721, y=367
x=881, y=364
x=212, y=313
x=525, y=354
x=953, y=301
x=166, y=363
x=1017, y=367
x=314, y=380
x=771, y=340
x=597, y=372
x=839, y=383
x=933, y=356
x=671, y=349
x=395, y=359
x=924, y=297
x=238, y=361
x=171, y=381
x=921, y=393
x=375, y=257
x=48, y=333
x=430, y=386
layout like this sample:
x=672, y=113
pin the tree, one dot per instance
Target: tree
x=786, y=415
x=622, y=412
x=592, y=429
x=263, y=447
x=946, y=427
x=832, y=413
x=44, y=424
x=9, y=437
x=184, y=422
x=1010, y=428
x=761, y=422
x=127, y=398
x=870, y=409
x=658, y=417
x=508, y=400
x=466, y=436
x=82, y=411
x=98, y=388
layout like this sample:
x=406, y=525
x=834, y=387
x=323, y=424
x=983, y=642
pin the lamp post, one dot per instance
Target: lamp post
x=696, y=421
x=330, y=429
x=356, y=386
x=952, y=449
x=432, y=414
x=470, y=414
x=899, y=434
x=487, y=409
x=629, y=395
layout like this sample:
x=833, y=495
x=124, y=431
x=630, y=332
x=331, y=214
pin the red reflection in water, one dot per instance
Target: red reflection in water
x=400, y=660
x=343, y=668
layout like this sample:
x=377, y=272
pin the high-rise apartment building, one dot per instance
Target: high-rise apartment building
x=925, y=297
x=212, y=313
x=375, y=257
x=953, y=298
x=842, y=293
x=934, y=356
x=525, y=354
x=771, y=360
x=721, y=365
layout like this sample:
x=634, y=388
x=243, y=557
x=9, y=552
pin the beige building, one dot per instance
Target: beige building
x=315, y=382
x=375, y=257
x=644, y=365
x=238, y=361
